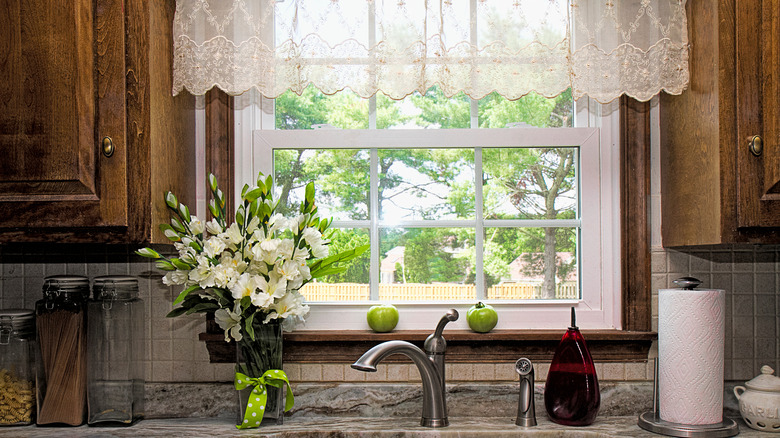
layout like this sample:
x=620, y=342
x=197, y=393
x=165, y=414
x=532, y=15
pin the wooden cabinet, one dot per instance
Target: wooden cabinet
x=72, y=76
x=714, y=188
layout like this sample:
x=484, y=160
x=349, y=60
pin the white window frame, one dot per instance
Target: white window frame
x=600, y=303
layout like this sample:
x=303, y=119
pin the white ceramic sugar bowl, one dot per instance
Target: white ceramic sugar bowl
x=759, y=404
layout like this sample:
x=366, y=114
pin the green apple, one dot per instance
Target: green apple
x=482, y=317
x=382, y=318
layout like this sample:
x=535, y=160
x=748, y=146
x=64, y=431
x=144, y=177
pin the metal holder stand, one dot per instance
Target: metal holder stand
x=651, y=421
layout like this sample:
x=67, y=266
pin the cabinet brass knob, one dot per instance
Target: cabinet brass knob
x=108, y=147
x=756, y=145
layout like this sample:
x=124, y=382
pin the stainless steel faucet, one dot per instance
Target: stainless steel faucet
x=430, y=364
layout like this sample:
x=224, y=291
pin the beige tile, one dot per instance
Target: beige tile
x=353, y=375
x=379, y=376
x=613, y=371
x=183, y=371
x=162, y=350
x=460, y=372
x=333, y=372
x=541, y=369
x=599, y=370
x=203, y=372
x=224, y=372
x=161, y=328
x=636, y=371
x=505, y=372
x=161, y=371
x=413, y=372
x=293, y=371
x=397, y=372
x=183, y=349
x=311, y=372
x=484, y=372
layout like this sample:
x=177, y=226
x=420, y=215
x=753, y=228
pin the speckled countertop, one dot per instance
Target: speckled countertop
x=354, y=427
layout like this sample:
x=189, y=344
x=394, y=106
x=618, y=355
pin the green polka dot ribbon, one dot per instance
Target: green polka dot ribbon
x=255, y=406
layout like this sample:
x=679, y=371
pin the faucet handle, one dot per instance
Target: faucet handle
x=435, y=343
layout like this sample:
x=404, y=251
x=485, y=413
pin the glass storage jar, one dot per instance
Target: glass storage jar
x=115, y=365
x=60, y=319
x=17, y=367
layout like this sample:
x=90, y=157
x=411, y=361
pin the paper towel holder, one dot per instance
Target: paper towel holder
x=651, y=421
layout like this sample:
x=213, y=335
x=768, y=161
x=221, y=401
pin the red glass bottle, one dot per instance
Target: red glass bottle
x=571, y=392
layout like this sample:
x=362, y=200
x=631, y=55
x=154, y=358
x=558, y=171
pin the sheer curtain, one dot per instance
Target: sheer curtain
x=599, y=48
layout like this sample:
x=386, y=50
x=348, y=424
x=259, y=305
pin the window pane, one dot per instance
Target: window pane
x=530, y=183
x=351, y=285
x=435, y=184
x=531, y=110
x=314, y=109
x=426, y=264
x=341, y=178
x=435, y=110
x=531, y=263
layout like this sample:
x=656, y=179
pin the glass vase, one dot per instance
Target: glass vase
x=253, y=358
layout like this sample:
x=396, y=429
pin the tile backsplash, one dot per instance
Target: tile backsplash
x=751, y=277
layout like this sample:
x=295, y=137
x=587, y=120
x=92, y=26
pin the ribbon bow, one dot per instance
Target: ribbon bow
x=255, y=407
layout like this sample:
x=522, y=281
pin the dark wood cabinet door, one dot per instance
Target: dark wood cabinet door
x=62, y=90
x=758, y=113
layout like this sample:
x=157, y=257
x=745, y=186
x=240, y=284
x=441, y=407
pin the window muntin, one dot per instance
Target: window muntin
x=427, y=220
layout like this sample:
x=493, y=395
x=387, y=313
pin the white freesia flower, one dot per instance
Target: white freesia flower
x=230, y=322
x=213, y=227
x=233, y=235
x=266, y=260
x=274, y=286
x=261, y=300
x=175, y=277
x=202, y=274
x=196, y=226
x=291, y=304
x=214, y=247
x=244, y=286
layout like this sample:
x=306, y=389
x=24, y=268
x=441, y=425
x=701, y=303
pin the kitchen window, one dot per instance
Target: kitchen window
x=438, y=238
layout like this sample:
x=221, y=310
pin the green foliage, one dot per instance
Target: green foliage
x=531, y=180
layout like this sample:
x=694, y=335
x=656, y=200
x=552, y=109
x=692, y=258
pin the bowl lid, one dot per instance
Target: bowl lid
x=766, y=381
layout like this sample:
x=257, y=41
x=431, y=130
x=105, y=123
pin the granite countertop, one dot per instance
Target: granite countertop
x=354, y=427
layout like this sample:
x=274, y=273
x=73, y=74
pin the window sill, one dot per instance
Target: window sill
x=463, y=346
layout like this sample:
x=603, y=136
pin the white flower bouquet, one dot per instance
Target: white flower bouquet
x=252, y=269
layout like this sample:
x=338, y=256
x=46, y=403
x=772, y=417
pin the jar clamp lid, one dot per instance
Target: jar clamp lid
x=66, y=284
x=16, y=321
x=109, y=287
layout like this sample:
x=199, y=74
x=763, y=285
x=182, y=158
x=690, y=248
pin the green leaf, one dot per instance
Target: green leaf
x=176, y=312
x=177, y=225
x=252, y=195
x=240, y=216
x=180, y=264
x=250, y=330
x=344, y=256
x=149, y=253
x=170, y=199
x=328, y=270
x=269, y=182
x=184, y=294
x=202, y=307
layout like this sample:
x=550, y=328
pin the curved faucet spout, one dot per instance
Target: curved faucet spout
x=434, y=412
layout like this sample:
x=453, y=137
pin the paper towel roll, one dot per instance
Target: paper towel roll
x=690, y=355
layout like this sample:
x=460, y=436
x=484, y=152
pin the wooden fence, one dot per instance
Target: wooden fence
x=428, y=292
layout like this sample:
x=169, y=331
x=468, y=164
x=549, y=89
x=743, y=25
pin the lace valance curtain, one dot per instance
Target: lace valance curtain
x=600, y=48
